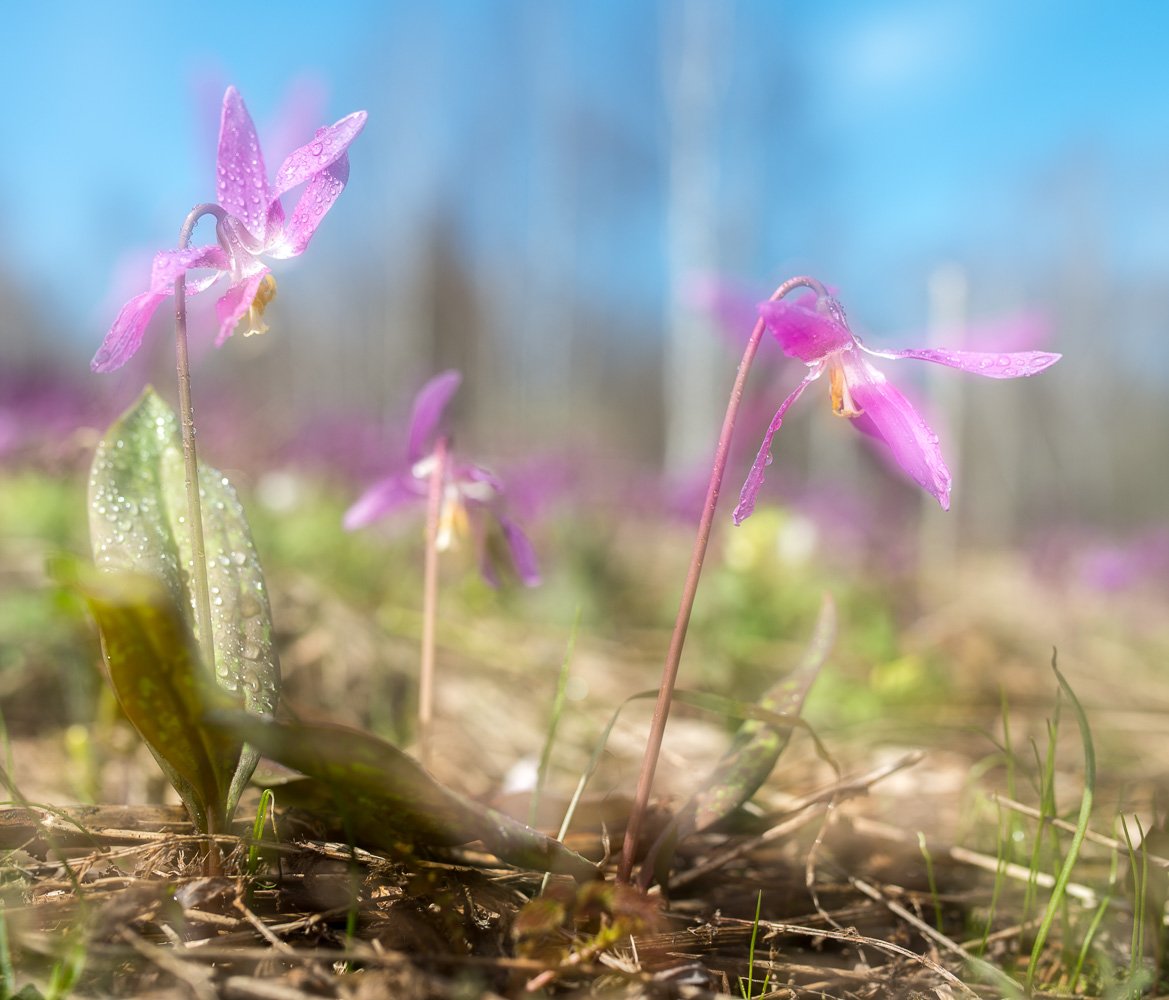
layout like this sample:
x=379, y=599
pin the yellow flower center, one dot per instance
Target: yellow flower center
x=265, y=293
x=843, y=404
x=452, y=520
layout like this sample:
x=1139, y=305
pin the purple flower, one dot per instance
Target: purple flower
x=251, y=226
x=471, y=494
x=814, y=330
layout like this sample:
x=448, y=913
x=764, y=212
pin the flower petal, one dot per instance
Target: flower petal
x=429, y=404
x=327, y=146
x=474, y=479
x=242, y=181
x=318, y=197
x=888, y=415
x=235, y=303
x=169, y=264
x=754, y=480
x=804, y=329
x=125, y=336
x=523, y=556
x=384, y=497
x=1018, y=364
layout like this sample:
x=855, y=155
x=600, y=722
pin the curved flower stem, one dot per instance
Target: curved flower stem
x=430, y=602
x=190, y=460
x=690, y=588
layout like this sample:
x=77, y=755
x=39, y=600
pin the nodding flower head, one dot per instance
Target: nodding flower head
x=814, y=330
x=472, y=496
x=250, y=226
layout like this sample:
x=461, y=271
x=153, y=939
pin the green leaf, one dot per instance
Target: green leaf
x=389, y=802
x=137, y=522
x=156, y=673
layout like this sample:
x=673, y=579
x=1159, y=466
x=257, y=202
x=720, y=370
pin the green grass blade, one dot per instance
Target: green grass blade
x=1065, y=872
x=558, y=701
x=749, y=989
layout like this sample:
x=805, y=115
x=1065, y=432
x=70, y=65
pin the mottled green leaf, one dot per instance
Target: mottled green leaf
x=388, y=801
x=753, y=753
x=156, y=673
x=138, y=522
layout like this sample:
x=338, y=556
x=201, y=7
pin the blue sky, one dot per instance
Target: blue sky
x=867, y=142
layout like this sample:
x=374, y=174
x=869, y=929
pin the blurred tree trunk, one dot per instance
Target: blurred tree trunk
x=695, y=372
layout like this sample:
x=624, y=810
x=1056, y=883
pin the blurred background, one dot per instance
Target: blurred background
x=578, y=205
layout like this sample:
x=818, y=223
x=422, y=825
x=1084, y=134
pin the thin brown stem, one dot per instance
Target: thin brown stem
x=430, y=602
x=653, y=744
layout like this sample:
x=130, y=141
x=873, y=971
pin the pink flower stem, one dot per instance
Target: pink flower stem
x=212, y=862
x=653, y=744
x=430, y=602
x=190, y=459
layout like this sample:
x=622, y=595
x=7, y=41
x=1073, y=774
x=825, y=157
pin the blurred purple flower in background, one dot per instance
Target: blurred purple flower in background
x=251, y=225
x=814, y=329
x=472, y=495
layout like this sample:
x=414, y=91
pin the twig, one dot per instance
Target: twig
x=197, y=977
x=1062, y=824
x=976, y=859
x=854, y=938
x=793, y=819
x=933, y=934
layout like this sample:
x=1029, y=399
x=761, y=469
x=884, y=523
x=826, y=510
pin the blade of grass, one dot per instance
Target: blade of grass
x=751, y=953
x=1065, y=872
x=1000, y=872
x=1139, y=883
x=929, y=874
x=1012, y=789
x=1094, y=925
x=265, y=810
x=553, y=722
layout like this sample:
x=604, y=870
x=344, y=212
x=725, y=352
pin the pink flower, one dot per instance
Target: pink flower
x=814, y=329
x=471, y=494
x=251, y=225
